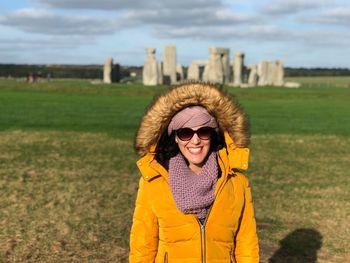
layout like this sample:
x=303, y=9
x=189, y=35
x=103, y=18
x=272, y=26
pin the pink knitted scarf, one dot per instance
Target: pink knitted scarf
x=193, y=193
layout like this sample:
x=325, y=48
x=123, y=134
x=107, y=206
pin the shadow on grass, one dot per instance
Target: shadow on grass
x=300, y=246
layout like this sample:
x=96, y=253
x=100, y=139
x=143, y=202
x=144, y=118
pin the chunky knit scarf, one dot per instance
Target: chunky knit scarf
x=193, y=193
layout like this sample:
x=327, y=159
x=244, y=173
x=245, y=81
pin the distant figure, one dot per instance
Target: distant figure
x=193, y=204
x=300, y=246
x=35, y=77
x=30, y=77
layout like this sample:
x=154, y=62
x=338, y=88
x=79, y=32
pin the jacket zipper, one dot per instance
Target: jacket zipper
x=166, y=257
x=202, y=227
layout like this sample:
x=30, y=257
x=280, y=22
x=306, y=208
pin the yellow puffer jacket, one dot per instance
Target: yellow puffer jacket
x=160, y=232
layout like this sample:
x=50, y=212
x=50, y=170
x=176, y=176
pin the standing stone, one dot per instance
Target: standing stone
x=262, y=73
x=179, y=73
x=160, y=73
x=225, y=61
x=193, y=72
x=238, y=69
x=279, y=73
x=169, y=64
x=214, y=72
x=107, y=71
x=205, y=76
x=271, y=73
x=253, y=75
x=150, y=69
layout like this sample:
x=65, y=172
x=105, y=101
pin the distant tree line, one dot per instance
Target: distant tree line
x=60, y=71
x=54, y=71
x=96, y=71
x=309, y=72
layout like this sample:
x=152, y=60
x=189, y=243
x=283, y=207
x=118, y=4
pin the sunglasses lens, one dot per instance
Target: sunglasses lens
x=185, y=134
x=204, y=133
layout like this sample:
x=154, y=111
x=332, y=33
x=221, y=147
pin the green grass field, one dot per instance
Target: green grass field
x=319, y=82
x=68, y=179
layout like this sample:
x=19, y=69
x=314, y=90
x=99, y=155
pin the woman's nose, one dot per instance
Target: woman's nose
x=195, y=139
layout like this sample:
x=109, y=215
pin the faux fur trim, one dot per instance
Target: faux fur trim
x=220, y=104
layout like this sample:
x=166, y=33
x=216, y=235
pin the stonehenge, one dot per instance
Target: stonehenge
x=263, y=73
x=160, y=73
x=193, y=72
x=225, y=61
x=110, y=71
x=253, y=75
x=169, y=64
x=279, y=73
x=150, y=69
x=179, y=72
x=107, y=71
x=216, y=69
x=238, y=69
x=270, y=73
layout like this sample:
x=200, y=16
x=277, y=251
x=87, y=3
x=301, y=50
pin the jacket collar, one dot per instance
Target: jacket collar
x=230, y=158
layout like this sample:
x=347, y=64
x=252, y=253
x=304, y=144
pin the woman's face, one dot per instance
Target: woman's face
x=194, y=150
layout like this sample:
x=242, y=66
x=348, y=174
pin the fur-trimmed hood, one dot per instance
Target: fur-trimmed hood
x=221, y=105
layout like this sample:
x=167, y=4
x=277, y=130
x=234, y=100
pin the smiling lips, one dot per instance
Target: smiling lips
x=195, y=150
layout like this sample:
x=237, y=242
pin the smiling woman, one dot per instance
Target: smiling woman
x=193, y=203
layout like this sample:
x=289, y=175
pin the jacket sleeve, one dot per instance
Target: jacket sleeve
x=247, y=247
x=144, y=230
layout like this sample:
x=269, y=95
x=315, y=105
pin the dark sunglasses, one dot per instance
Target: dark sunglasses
x=186, y=134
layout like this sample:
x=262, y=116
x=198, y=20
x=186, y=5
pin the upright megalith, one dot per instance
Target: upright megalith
x=107, y=71
x=214, y=71
x=271, y=73
x=193, y=72
x=263, y=72
x=150, y=68
x=238, y=69
x=169, y=64
x=253, y=75
x=160, y=73
x=179, y=73
x=205, y=76
x=225, y=61
x=279, y=73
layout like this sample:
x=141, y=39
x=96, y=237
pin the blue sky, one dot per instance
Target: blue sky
x=301, y=33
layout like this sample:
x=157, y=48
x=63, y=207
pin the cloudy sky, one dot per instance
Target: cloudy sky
x=312, y=33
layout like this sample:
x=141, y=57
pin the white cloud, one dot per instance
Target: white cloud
x=285, y=7
x=236, y=33
x=131, y=4
x=187, y=18
x=46, y=22
x=335, y=16
x=18, y=43
x=49, y=22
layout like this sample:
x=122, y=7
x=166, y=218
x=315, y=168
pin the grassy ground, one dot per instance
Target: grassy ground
x=68, y=179
x=321, y=82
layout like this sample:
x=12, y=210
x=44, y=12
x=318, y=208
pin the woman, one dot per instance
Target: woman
x=193, y=203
